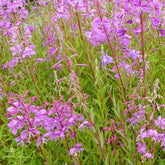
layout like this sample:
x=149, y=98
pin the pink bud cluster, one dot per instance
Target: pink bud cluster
x=114, y=139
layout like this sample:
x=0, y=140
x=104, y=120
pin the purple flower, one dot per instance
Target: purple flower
x=156, y=21
x=35, y=8
x=16, y=50
x=162, y=32
x=39, y=60
x=121, y=32
x=83, y=124
x=99, y=32
x=88, y=35
x=13, y=110
x=126, y=42
x=13, y=62
x=141, y=148
x=29, y=51
x=149, y=155
x=27, y=134
x=46, y=3
x=137, y=30
x=160, y=122
x=31, y=28
x=129, y=21
x=4, y=66
x=14, y=125
x=23, y=14
x=137, y=117
x=40, y=140
x=54, y=134
x=77, y=148
x=106, y=59
x=133, y=55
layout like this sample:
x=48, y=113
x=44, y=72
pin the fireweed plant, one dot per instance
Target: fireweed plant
x=81, y=82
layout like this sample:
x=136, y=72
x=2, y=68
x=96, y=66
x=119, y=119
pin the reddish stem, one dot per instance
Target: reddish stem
x=113, y=53
x=143, y=52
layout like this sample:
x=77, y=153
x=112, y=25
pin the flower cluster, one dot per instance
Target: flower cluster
x=126, y=21
x=36, y=123
x=135, y=113
x=152, y=134
x=13, y=24
x=101, y=29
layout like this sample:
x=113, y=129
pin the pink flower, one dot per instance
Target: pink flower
x=83, y=124
x=121, y=32
x=106, y=59
x=29, y=51
x=160, y=122
x=77, y=148
x=141, y=148
x=23, y=14
x=13, y=62
x=40, y=60
x=149, y=155
x=16, y=50
x=162, y=32
x=156, y=21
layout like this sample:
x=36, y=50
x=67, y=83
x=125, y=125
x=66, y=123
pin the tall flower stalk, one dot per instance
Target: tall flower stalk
x=143, y=52
x=113, y=52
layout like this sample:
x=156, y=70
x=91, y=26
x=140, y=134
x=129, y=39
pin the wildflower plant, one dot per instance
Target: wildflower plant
x=40, y=125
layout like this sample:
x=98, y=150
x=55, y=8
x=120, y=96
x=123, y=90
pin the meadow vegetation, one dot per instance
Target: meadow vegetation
x=82, y=82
